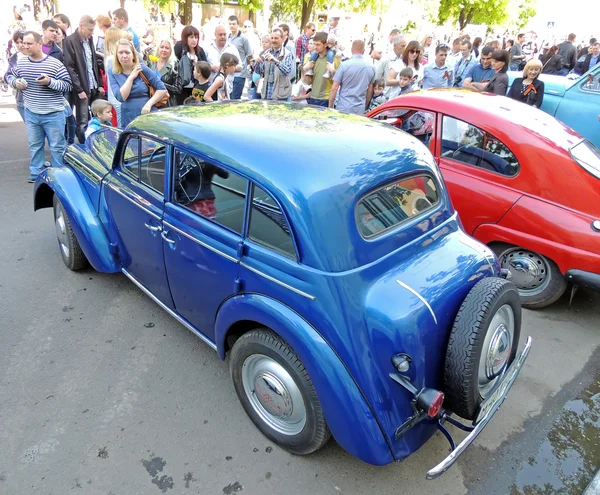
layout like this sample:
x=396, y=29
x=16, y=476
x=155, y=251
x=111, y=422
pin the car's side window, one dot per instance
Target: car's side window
x=153, y=164
x=468, y=144
x=419, y=123
x=268, y=225
x=591, y=83
x=130, y=162
x=209, y=190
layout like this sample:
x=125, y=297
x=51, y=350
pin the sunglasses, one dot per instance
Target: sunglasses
x=414, y=51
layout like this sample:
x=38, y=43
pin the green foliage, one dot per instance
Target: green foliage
x=490, y=12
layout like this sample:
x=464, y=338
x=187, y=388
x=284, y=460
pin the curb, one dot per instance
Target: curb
x=594, y=486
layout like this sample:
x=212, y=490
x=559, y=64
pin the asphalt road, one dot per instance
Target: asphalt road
x=101, y=392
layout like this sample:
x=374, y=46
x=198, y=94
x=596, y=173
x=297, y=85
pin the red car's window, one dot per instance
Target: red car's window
x=587, y=155
x=395, y=203
x=470, y=145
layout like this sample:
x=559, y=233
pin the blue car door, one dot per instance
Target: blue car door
x=134, y=195
x=580, y=106
x=203, y=225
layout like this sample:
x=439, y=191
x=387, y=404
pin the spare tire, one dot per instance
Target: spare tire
x=482, y=345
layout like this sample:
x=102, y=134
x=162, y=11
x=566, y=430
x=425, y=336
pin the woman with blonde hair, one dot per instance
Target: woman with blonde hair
x=104, y=23
x=428, y=48
x=166, y=68
x=529, y=89
x=129, y=86
x=111, y=38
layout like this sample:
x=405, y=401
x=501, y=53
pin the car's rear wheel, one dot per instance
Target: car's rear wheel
x=537, y=277
x=70, y=250
x=277, y=393
x=482, y=345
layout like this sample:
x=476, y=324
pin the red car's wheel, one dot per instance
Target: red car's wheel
x=537, y=277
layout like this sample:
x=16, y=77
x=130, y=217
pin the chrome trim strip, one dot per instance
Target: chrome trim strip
x=487, y=411
x=203, y=244
x=278, y=282
x=410, y=289
x=180, y=319
x=115, y=189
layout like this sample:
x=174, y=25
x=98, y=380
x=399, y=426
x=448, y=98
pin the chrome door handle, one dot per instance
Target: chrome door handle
x=153, y=228
x=163, y=234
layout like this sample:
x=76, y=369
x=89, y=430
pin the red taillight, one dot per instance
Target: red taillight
x=435, y=405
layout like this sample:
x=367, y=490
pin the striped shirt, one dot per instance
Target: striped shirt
x=37, y=98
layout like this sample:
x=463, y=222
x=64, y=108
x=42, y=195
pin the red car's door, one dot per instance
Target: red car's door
x=479, y=170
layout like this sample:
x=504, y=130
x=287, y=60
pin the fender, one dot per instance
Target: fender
x=86, y=224
x=566, y=257
x=348, y=415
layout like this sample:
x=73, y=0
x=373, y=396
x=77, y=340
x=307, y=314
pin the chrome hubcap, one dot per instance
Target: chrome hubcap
x=530, y=271
x=273, y=394
x=497, y=348
x=61, y=232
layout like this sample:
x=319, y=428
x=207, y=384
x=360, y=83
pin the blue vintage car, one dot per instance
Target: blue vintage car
x=576, y=102
x=320, y=251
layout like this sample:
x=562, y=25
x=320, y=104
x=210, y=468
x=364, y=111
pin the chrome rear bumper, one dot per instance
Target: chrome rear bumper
x=486, y=412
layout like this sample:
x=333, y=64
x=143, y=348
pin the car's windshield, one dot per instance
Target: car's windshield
x=587, y=155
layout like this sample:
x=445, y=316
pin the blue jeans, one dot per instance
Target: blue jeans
x=238, y=88
x=21, y=112
x=330, y=54
x=39, y=127
x=319, y=103
x=514, y=66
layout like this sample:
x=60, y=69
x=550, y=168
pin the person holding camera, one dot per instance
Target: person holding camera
x=276, y=65
x=42, y=80
x=465, y=64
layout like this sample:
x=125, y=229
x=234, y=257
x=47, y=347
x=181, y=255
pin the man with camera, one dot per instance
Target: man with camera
x=464, y=64
x=43, y=80
x=276, y=65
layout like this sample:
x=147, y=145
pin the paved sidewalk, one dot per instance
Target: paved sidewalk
x=594, y=487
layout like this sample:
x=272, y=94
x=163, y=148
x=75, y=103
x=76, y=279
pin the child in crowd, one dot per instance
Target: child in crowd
x=331, y=45
x=102, y=112
x=201, y=74
x=221, y=85
x=301, y=90
x=378, y=97
x=406, y=80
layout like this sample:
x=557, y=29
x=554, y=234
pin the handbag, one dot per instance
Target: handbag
x=163, y=101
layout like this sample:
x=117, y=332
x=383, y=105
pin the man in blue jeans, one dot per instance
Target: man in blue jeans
x=43, y=80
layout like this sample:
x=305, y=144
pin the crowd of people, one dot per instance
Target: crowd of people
x=68, y=82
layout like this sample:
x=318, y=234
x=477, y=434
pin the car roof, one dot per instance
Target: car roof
x=484, y=109
x=316, y=161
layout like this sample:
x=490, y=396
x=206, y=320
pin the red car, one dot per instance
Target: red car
x=521, y=181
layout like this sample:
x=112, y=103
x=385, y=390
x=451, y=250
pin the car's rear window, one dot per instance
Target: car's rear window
x=395, y=203
x=588, y=156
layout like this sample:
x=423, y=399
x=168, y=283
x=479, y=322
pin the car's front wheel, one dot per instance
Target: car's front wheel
x=537, y=277
x=277, y=393
x=70, y=249
x=482, y=345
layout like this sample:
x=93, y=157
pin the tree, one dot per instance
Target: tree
x=490, y=12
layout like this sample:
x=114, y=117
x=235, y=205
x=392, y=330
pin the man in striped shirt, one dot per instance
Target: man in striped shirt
x=43, y=81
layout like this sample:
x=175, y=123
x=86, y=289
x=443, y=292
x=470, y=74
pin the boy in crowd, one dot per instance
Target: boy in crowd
x=102, y=115
x=301, y=90
x=331, y=45
x=378, y=97
x=406, y=80
x=202, y=72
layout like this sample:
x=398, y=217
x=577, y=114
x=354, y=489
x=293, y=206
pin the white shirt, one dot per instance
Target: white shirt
x=452, y=59
x=214, y=55
x=398, y=65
